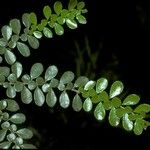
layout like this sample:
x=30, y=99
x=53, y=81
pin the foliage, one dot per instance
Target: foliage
x=41, y=86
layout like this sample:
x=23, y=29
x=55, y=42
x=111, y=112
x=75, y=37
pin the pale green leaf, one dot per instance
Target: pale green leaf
x=36, y=70
x=18, y=118
x=72, y=4
x=114, y=120
x=58, y=7
x=5, y=145
x=12, y=105
x=33, y=18
x=10, y=92
x=116, y=102
x=5, y=71
x=25, y=133
x=101, y=85
x=15, y=25
x=67, y=77
x=80, y=5
x=81, y=81
x=131, y=99
x=39, y=97
x=26, y=95
x=3, y=104
x=142, y=108
x=47, y=32
x=51, y=98
x=51, y=72
x=28, y=146
x=2, y=79
x=9, y=57
x=99, y=112
x=87, y=105
x=37, y=34
x=77, y=103
x=64, y=100
x=127, y=124
x=59, y=30
x=6, y=32
x=33, y=42
x=54, y=83
x=81, y=19
x=12, y=78
x=26, y=20
x=18, y=86
x=72, y=24
x=23, y=49
x=2, y=134
x=116, y=89
x=89, y=85
x=47, y=12
x=17, y=68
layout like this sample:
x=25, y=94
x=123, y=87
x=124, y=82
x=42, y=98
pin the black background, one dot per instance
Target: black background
x=124, y=29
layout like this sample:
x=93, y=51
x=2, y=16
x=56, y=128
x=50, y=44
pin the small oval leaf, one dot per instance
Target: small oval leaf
x=5, y=145
x=51, y=98
x=138, y=126
x=131, y=99
x=59, y=30
x=39, y=97
x=58, y=7
x=116, y=89
x=89, y=85
x=25, y=133
x=99, y=112
x=67, y=77
x=17, y=68
x=101, y=85
x=47, y=12
x=12, y=105
x=2, y=134
x=72, y=24
x=10, y=57
x=36, y=70
x=10, y=92
x=26, y=20
x=18, y=118
x=87, y=105
x=81, y=81
x=127, y=124
x=64, y=100
x=33, y=42
x=81, y=19
x=77, y=103
x=6, y=32
x=23, y=49
x=51, y=72
x=15, y=25
x=142, y=108
x=26, y=95
x=47, y=32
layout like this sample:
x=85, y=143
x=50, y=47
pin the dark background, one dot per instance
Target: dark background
x=123, y=28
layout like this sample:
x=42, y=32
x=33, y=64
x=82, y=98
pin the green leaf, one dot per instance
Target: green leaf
x=10, y=92
x=39, y=97
x=114, y=120
x=81, y=19
x=54, y=83
x=26, y=78
x=17, y=68
x=5, y=71
x=59, y=30
x=26, y=20
x=12, y=78
x=9, y=57
x=23, y=49
x=2, y=134
x=61, y=20
x=26, y=95
x=47, y=32
x=101, y=85
x=36, y=70
x=80, y=5
x=18, y=86
x=32, y=84
x=47, y=12
x=3, y=104
x=58, y=7
x=33, y=42
x=67, y=77
x=6, y=32
x=99, y=112
x=64, y=100
x=142, y=108
x=37, y=34
x=89, y=85
x=12, y=105
x=116, y=89
x=138, y=126
x=131, y=99
x=15, y=25
x=116, y=102
x=127, y=124
x=87, y=105
x=72, y=4
x=18, y=118
x=81, y=81
x=72, y=24
x=51, y=98
x=33, y=18
x=2, y=78
x=77, y=103
x=25, y=133
x=5, y=145
x=27, y=146
x=51, y=72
